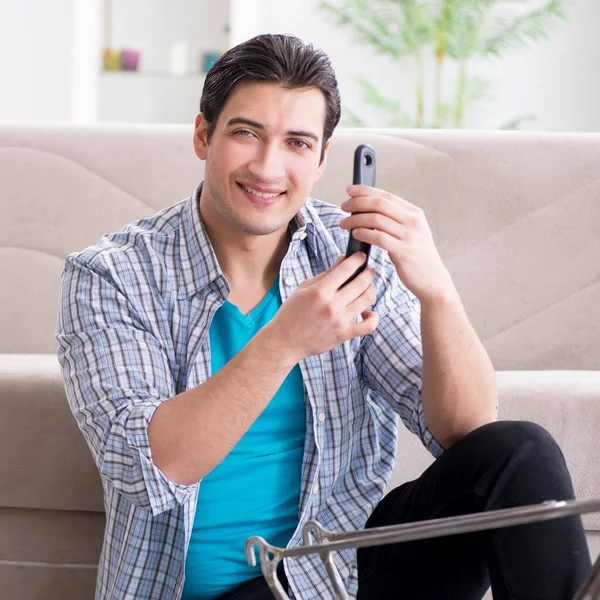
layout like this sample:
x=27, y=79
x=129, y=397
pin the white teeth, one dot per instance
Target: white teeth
x=259, y=194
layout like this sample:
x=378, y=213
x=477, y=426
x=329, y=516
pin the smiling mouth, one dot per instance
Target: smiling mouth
x=264, y=195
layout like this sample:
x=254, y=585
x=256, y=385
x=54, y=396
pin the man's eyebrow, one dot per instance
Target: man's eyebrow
x=308, y=134
x=257, y=125
x=243, y=121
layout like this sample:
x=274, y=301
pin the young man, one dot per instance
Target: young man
x=229, y=385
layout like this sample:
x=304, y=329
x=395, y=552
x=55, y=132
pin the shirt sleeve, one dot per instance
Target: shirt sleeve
x=116, y=374
x=392, y=356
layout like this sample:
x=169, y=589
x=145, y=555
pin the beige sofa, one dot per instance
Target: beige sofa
x=516, y=218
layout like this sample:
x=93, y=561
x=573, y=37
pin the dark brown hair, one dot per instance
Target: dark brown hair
x=282, y=59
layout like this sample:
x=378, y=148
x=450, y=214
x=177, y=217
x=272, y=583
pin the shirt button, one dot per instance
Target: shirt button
x=315, y=489
x=289, y=281
x=322, y=417
x=303, y=235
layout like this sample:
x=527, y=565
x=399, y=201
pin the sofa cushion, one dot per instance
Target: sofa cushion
x=46, y=461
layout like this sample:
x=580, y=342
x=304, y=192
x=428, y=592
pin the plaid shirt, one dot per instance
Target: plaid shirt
x=134, y=318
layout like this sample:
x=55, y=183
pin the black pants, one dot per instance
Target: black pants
x=499, y=465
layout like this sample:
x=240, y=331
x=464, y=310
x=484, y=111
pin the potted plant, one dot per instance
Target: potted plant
x=451, y=34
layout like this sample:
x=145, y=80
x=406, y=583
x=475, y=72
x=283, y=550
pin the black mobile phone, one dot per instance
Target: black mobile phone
x=364, y=173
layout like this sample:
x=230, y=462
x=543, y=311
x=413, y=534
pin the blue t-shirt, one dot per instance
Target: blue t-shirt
x=255, y=490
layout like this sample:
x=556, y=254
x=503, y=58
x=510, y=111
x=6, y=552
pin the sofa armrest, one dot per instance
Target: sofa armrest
x=45, y=462
x=566, y=403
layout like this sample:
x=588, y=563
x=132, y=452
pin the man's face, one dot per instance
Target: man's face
x=263, y=157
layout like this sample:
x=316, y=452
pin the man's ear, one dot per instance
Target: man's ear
x=201, y=137
x=323, y=164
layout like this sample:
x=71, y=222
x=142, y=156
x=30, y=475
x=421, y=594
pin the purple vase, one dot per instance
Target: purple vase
x=130, y=60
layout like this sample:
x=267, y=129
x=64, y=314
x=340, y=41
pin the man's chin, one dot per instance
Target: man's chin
x=259, y=221
x=261, y=229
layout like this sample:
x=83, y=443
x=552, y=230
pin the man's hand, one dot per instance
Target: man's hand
x=459, y=389
x=319, y=315
x=400, y=228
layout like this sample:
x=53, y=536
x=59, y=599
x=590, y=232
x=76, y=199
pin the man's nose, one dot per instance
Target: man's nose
x=268, y=165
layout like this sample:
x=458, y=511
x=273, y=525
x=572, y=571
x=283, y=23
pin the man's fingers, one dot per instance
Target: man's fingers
x=365, y=190
x=369, y=323
x=356, y=287
x=343, y=271
x=320, y=276
x=360, y=304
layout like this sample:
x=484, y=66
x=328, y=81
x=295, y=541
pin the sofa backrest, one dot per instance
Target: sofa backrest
x=516, y=218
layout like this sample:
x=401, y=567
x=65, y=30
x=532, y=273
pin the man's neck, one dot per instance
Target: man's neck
x=250, y=271
x=248, y=262
x=252, y=265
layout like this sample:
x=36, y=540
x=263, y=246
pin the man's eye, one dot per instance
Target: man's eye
x=243, y=133
x=300, y=144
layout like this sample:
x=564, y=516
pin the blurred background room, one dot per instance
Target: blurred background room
x=97, y=104
x=479, y=64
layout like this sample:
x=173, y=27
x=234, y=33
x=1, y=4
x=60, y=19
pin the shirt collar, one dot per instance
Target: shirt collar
x=199, y=264
x=304, y=225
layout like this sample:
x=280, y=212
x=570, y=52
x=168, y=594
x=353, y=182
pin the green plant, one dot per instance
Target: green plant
x=454, y=33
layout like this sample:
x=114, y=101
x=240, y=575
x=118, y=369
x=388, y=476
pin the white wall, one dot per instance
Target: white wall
x=35, y=60
x=87, y=36
x=557, y=80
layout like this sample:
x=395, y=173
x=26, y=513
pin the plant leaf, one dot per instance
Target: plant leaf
x=366, y=27
x=516, y=123
x=533, y=26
